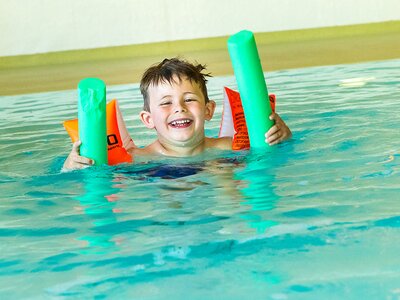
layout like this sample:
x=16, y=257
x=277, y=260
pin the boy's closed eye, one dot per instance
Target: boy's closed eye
x=165, y=103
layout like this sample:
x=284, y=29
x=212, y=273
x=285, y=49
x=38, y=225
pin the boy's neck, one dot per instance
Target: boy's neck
x=181, y=150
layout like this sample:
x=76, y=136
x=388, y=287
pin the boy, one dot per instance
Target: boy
x=176, y=105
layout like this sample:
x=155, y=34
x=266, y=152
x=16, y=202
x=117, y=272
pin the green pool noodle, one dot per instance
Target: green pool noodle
x=252, y=87
x=92, y=119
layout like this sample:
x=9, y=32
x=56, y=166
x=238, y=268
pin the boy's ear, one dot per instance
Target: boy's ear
x=210, y=108
x=146, y=118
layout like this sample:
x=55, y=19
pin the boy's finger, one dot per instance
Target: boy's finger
x=274, y=137
x=76, y=146
x=271, y=131
x=275, y=140
x=83, y=160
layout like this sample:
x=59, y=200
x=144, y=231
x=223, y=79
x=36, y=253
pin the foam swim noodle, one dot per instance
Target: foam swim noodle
x=252, y=87
x=92, y=119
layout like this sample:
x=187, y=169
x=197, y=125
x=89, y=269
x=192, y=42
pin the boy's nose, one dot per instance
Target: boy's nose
x=180, y=108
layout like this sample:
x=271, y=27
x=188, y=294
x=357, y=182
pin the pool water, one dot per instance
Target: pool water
x=317, y=217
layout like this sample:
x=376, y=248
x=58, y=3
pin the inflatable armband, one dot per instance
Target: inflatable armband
x=118, y=138
x=233, y=121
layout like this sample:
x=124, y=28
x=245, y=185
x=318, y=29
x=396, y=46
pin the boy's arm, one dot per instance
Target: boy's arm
x=74, y=161
x=279, y=132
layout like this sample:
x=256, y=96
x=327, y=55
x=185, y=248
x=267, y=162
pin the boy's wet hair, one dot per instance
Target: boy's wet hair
x=167, y=71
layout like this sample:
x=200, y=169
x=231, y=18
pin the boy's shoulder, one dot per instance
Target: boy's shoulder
x=223, y=143
x=148, y=150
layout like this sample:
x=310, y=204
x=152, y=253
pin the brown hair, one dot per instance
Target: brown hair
x=167, y=70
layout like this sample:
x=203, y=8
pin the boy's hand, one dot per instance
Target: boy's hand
x=74, y=161
x=277, y=133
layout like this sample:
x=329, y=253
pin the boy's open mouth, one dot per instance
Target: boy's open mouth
x=181, y=123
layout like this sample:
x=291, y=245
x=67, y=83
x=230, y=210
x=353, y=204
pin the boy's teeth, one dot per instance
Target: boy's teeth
x=180, y=122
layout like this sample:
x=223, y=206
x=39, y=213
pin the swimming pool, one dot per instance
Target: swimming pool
x=316, y=218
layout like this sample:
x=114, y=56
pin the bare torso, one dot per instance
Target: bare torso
x=157, y=149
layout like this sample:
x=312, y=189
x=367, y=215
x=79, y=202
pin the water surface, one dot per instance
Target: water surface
x=315, y=218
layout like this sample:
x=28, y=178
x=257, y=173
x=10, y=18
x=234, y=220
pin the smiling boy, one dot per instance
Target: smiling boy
x=176, y=105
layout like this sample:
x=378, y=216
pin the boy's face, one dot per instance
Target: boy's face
x=178, y=112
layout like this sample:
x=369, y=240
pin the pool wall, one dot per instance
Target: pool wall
x=70, y=25
x=125, y=64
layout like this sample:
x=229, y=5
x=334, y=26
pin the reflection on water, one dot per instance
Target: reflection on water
x=98, y=201
x=301, y=221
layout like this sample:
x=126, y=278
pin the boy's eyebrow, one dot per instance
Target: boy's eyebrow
x=164, y=97
x=193, y=93
x=185, y=93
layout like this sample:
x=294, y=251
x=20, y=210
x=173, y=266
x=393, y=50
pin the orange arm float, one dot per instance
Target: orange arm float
x=233, y=121
x=118, y=138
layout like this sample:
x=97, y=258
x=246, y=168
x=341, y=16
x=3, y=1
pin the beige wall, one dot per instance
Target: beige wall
x=40, y=26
